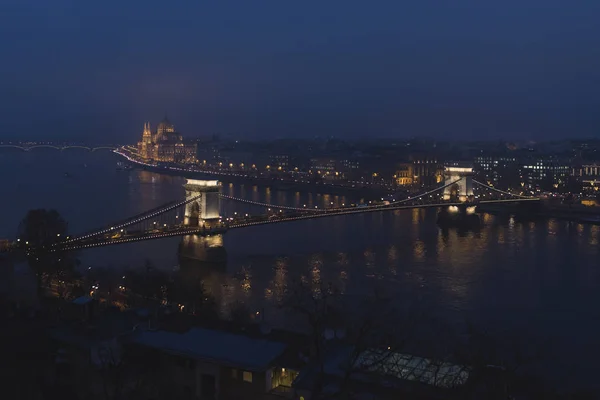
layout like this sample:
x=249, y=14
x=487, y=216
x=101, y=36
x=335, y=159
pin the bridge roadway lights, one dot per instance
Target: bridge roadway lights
x=215, y=230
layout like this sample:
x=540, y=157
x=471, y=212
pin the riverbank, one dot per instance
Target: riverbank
x=355, y=193
x=575, y=213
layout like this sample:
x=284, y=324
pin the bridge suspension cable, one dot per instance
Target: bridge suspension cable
x=334, y=209
x=426, y=193
x=136, y=219
x=257, y=203
x=502, y=191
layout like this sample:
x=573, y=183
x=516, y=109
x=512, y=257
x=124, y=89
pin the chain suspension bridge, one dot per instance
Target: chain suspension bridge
x=54, y=147
x=200, y=212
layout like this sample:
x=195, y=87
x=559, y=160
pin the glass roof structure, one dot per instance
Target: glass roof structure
x=413, y=368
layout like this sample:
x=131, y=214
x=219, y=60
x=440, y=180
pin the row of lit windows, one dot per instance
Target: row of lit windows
x=495, y=160
x=547, y=167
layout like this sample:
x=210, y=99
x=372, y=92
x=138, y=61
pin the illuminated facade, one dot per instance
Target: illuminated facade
x=207, y=203
x=419, y=171
x=166, y=145
x=588, y=175
x=405, y=174
x=462, y=189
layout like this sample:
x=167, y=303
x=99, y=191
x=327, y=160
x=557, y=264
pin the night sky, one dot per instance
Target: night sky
x=96, y=70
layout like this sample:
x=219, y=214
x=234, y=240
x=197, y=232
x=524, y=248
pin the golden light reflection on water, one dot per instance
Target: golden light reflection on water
x=392, y=257
x=419, y=250
x=415, y=216
x=457, y=264
x=414, y=253
x=501, y=239
x=594, y=231
x=552, y=225
x=297, y=199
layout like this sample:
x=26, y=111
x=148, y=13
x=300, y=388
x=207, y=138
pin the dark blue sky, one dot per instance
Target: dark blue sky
x=96, y=70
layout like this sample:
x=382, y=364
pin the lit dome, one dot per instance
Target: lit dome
x=165, y=126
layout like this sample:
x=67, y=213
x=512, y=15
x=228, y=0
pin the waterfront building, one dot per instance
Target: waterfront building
x=280, y=162
x=323, y=164
x=545, y=173
x=588, y=175
x=427, y=169
x=166, y=145
x=421, y=170
x=501, y=171
x=350, y=167
x=405, y=174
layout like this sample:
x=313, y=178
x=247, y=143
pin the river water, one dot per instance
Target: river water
x=539, y=278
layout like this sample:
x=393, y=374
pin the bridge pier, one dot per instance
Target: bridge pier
x=205, y=209
x=462, y=215
x=202, y=249
x=462, y=189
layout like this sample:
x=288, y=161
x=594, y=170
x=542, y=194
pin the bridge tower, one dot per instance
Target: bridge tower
x=462, y=190
x=205, y=210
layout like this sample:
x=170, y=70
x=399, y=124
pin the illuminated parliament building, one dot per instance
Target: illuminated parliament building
x=165, y=145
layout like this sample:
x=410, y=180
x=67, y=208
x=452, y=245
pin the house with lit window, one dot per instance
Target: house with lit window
x=206, y=363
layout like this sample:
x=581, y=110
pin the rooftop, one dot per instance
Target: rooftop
x=215, y=346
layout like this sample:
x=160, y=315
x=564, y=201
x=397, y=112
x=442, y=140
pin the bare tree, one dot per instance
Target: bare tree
x=372, y=332
x=499, y=363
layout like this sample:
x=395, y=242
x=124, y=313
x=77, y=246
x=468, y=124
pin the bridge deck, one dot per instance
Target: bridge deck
x=98, y=241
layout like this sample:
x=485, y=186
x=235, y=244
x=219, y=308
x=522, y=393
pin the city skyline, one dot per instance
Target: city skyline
x=464, y=70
